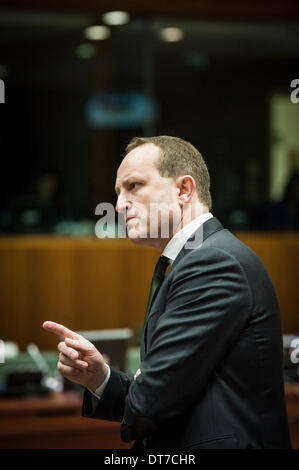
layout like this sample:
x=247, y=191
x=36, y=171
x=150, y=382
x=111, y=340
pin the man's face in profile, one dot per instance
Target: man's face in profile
x=147, y=200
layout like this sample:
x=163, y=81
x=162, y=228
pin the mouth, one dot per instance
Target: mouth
x=129, y=219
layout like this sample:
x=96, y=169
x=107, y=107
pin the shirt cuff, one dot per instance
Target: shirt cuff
x=100, y=390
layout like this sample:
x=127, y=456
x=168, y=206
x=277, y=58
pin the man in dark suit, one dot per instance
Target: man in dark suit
x=211, y=373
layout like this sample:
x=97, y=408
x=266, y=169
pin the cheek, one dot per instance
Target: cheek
x=140, y=209
x=161, y=202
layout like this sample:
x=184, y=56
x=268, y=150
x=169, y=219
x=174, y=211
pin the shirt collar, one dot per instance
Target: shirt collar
x=177, y=242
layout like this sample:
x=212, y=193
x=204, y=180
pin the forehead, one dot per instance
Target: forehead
x=140, y=161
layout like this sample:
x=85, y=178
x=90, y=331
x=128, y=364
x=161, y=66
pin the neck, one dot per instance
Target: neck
x=189, y=212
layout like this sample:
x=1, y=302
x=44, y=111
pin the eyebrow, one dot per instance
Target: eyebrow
x=129, y=180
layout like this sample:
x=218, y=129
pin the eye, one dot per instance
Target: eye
x=133, y=185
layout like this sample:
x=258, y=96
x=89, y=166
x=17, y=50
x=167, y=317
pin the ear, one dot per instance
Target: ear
x=186, y=187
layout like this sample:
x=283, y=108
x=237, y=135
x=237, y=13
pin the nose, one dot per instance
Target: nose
x=121, y=204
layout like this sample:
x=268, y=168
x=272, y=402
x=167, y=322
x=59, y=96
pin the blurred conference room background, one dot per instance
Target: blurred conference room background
x=80, y=80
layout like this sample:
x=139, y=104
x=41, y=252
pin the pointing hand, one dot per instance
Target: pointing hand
x=79, y=360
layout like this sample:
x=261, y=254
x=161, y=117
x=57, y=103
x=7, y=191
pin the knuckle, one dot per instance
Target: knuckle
x=65, y=360
x=61, y=346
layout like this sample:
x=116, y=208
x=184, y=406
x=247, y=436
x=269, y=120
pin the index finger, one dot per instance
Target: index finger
x=59, y=330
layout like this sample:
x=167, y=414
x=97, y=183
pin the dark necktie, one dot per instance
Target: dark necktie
x=157, y=280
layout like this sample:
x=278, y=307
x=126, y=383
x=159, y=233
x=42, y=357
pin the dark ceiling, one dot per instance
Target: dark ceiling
x=38, y=47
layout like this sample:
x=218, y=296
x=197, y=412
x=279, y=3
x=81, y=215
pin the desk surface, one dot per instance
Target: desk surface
x=54, y=403
x=55, y=422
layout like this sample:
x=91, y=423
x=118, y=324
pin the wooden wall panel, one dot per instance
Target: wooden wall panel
x=82, y=283
x=99, y=284
x=280, y=255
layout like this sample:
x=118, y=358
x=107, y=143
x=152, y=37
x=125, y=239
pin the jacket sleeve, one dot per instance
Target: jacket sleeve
x=111, y=404
x=209, y=303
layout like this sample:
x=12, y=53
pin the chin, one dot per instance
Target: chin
x=138, y=237
x=145, y=241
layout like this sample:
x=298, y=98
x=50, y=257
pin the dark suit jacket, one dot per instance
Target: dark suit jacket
x=211, y=356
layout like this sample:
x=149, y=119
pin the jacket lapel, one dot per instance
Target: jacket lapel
x=208, y=228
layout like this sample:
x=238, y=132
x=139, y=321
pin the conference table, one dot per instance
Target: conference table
x=55, y=422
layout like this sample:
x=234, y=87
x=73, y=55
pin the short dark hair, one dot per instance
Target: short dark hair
x=179, y=157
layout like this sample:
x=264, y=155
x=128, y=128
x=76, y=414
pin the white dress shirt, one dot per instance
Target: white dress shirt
x=171, y=251
x=177, y=242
